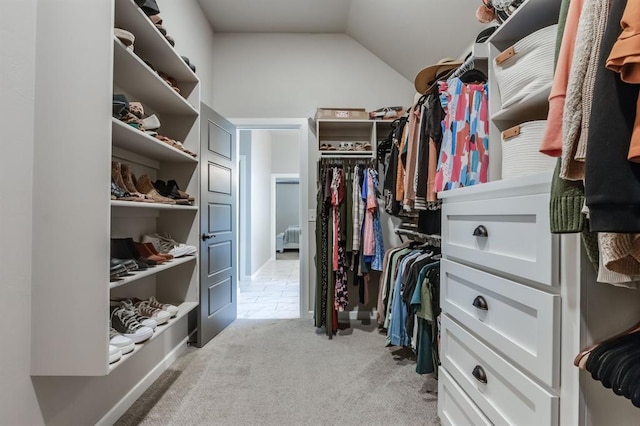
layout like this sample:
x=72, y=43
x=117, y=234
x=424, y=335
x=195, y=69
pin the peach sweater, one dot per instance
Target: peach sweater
x=552, y=141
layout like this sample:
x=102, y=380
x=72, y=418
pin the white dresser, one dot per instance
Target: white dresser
x=501, y=305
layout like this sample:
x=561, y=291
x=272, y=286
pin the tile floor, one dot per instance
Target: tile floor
x=273, y=293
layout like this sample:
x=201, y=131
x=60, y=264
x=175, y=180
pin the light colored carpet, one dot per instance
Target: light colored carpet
x=282, y=372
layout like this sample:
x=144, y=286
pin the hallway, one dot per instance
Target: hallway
x=273, y=294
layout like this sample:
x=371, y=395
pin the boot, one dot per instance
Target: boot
x=145, y=186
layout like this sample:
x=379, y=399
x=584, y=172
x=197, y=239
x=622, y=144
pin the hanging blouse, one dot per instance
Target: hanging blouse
x=464, y=155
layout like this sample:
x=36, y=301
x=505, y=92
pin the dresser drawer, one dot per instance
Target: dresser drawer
x=517, y=239
x=455, y=408
x=524, y=323
x=508, y=397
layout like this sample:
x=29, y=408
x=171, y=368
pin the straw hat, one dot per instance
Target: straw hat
x=429, y=75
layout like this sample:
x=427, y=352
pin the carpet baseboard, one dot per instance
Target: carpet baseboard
x=127, y=401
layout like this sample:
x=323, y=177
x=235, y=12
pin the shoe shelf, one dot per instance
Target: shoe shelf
x=534, y=106
x=135, y=77
x=135, y=276
x=183, y=310
x=133, y=140
x=151, y=42
x=156, y=206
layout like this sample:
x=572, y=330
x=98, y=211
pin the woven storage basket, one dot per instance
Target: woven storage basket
x=525, y=67
x=521, y=150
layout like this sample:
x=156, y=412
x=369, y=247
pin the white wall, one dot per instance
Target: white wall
x=287, y=205
x=290, y=75
x=260, y=198
x=186, y=23
x=285, y=151
x=18, y=403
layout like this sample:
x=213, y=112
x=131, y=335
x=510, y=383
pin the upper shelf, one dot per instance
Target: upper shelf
x=156, y=206
x=135, y=77
x=530, y=16
x=133, y=140
x=150, y=42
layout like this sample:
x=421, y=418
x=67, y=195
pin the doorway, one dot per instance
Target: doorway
x=269, y=175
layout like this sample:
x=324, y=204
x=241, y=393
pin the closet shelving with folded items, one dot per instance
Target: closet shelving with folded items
x=349, y=240
x=149, y=231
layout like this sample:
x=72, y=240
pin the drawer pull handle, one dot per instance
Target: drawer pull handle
x=480, y=231
x=479, y=374
x=481, y=303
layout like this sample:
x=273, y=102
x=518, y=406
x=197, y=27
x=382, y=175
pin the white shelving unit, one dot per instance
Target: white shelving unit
x=71, y=288
x=334, y=131
x=482, y=323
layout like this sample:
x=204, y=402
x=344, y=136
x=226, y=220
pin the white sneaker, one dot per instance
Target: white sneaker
x=125, y=323
x=116, y=339
x=114, y=354
x=158, y=315
x=173, y=310
x=142, y=319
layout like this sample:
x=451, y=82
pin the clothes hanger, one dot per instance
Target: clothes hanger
x=581, y=358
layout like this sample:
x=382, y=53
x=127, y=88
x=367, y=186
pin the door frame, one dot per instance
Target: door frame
x=302, y=125
x=274, y=182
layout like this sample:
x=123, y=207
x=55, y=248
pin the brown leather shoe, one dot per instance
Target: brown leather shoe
x=153, y=250
x=129, y=180
x=118, y=177
x=144, y=251
x=145, y=186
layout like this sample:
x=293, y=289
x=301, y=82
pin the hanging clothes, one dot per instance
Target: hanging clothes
x=349, y=239
x=464, y=155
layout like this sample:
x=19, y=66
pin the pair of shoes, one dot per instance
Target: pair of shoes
x=121, y=268
x=125, y=323
x=126, y=37
x=125, y=181
x=124, y=248
x=164, y=243
x=145, y=314
x=114, y=354
x=188, y=62
x=153, y=303
x=170, y=81
x=122, y=343
x=171, y=190
x=175, y=144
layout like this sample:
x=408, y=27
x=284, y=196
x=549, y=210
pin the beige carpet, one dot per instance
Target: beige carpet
x=281, y=372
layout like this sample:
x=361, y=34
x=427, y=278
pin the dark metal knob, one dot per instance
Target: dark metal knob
x=480, y=231
x=480, y=303
x=205, y=237
x=479, y=374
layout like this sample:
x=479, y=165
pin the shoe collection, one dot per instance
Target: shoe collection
x=128, y=256
x=346, y=146
x=151, y=9
x=126, y=187
x=132, y=113
x=134, y=321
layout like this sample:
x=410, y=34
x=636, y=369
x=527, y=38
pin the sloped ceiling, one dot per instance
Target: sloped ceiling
x=406, y=34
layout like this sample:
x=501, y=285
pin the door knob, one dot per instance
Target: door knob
x=205, y=237
x=480, y=303
x=480, y=231
x=479, y=374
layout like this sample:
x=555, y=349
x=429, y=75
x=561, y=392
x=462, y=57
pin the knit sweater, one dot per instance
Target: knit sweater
x=590, y=31
x=612, y=184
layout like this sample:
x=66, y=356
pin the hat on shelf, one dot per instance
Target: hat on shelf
x=432, y=73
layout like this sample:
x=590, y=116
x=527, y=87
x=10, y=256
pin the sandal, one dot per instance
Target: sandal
x=324, y=147
x=366, y=147
x=125, y=37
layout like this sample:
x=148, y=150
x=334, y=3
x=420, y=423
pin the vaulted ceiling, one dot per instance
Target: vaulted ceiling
x=406, y=34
